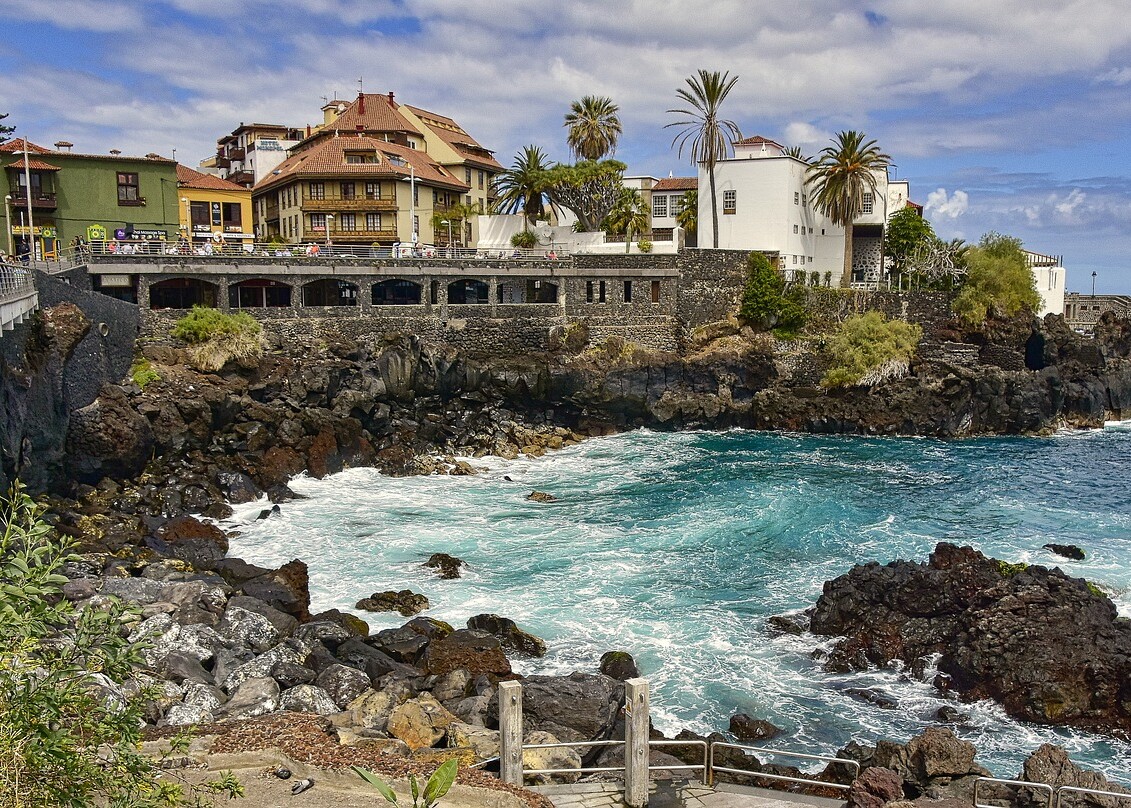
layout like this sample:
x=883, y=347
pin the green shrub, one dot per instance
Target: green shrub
x=436, y=786
x=1008, y=570
x=998, y=281
x=868, y=348
x=524, y=240
x=644, y=245
x=70, y=709
x=765, y=302
x=215, y=338
x=143, y=374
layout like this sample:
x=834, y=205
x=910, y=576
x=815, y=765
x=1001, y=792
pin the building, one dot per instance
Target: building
x=213, y=211
x=1048, y=276
x=1083, y=311
x=377, y=172
x=129, y=201
x=765, y=204
x=251, y=152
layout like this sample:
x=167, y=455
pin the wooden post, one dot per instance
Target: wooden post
x=635, y=743
x=510, y=732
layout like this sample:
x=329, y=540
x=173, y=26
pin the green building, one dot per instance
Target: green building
x=127, y=203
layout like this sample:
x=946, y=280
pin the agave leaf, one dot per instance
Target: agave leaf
x=440, y=781
x=377, y=783
x=415, y=787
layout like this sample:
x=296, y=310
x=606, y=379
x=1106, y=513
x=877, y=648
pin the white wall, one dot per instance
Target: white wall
x=1050, y=286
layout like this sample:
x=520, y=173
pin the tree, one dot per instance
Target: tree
x=589, y=189
x=688, y=216
x=522, y=187
x=4, y=129
x=795, y=151
x=998, y=281
x=454, y=215
x=840, y=176
x=765, y=302
x=868, y=348
x=906, y=232
x=69, y=728
x=707, y=137
x=628, y=216
x=594, y=127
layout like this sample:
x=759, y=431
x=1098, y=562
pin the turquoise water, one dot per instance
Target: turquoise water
x=677, y=547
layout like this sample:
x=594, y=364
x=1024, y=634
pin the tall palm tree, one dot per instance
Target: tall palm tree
x=840, y=175
x=628, y=216
x=795, y=151
x=523, y=186
x=688, y=216
x=708, y=138
x=594, y=127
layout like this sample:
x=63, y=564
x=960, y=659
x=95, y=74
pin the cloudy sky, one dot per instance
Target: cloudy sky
x=1008, y=115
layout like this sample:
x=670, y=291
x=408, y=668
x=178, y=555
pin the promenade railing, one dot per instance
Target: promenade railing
x=312, y=251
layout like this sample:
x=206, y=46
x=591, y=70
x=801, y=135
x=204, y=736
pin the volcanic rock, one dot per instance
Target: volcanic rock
x=509, y=634
x=448, y=565
x=406, y=602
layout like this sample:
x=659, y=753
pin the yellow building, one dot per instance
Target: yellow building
x=213, y=212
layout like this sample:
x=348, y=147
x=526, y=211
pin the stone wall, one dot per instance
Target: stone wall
x=827, y=307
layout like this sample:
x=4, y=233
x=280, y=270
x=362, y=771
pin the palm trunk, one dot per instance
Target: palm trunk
x=846, y=277
x=714, y=206
x=627, y=240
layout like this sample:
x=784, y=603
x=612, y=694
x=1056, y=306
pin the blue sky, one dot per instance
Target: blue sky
x=1010, y=115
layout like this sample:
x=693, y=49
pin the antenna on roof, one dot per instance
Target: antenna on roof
x=360, y=88
x=324, y=98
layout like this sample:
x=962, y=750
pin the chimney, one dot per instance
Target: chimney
x=308, y=130
x=392, y=103
x=360, y=104
x=115, y=152
x=153, y=156
x=62, y=144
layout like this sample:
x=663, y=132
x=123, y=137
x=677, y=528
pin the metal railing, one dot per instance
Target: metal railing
x=572, y=745
x=312, y=251
x=704, y=766
x=15, y=282
x=1060, y=792
x=1053, y=796
x=712, y=768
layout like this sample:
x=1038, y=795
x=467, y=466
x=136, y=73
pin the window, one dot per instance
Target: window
x=352, y=159
x=795, y=228
x=373, y=221
x=416, y=194
x=317, y=190
x=675, y=204
x=655, y=291
x=467, y=175
x=795, y=259
x=869, y=202
x=318, y=221
x=415, y=224
x=804, y=199
x=589, y=291
x=628, y=291
x=810, y=231
x=128, y=189
x=233, y=217
x=372, y=190
x=349, y=190
x=600, y=291
x=199, y=213
x=347, y=221
x=481, y=180
x=659, y=206
x=730, y=201
x=797, y=197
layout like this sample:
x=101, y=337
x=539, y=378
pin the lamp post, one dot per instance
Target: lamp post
x=411, y=203
x=27, y=192
x=448, y=222
x=8, y=216
x=329, y=219
x=1093, y=283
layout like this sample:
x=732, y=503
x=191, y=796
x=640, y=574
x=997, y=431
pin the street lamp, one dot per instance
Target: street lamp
x=8, y=216
x=27, y=192
x=448, y=222
x=329, y=219
x=1093, y=283
x=412, y=202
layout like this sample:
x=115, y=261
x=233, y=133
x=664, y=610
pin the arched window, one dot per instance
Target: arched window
x=396, y=292
x=182, y=293
x=468, y=291
x=329, y=292
x=259, y=293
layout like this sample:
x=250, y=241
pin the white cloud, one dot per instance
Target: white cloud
x=1117, y=76
x=947, y=206
x=809, y=137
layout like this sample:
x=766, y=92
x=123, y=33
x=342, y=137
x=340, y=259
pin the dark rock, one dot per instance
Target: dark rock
x=108, y=437
x=618, y=665
x=935, y=764
x=402, y=644
x=477, y=652
x=343, y=683
x=448, y=565
x=291, y=674
x=874, y=788
x=286, y=589
x=541, y=496
x=238, y=488
x=236, y=571
x=179, y=667
x=881, y=700
x=375, y=663
x=950, y=715
x=406, y=602
x=1051, y=764
x=267, y=513
x=746, y=728
x=578, y=707
x=350, y=622
x=430, y=627
x=327, y=632
x=184, y=537
x=284, y=623
x=1066, y=550
x=509, y=634
x=793, y=624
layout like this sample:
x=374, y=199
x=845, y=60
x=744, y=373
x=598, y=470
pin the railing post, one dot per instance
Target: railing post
x=510, y=732
x=635, y=743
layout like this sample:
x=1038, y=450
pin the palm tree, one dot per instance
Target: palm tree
x=708, y=138
x=454, y=217
x=523, y=186
x=594, y=127
x=840, y=175
x=795, y=151
x=628, y=216
x=688, y=216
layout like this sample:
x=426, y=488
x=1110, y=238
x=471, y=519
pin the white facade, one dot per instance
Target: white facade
x=1049, y=277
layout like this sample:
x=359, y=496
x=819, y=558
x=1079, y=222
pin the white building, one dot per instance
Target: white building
x=1049, y=276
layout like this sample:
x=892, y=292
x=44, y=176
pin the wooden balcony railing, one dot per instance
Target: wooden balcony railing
x=333, y=205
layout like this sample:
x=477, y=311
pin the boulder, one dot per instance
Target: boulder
x=238, y=488
x=1066, y=550
x=286, y=589
x=541, y=496
x=746, y=728
x=342, y=683
x=406, y=602
x=180, y=667
x=347, y=620
x=371, y=709
x=1051, y=764
x=555, y=758
x=307, y=699
x=619, y=665
x=402, y=644
x=421, y=722
x=483, y=743
x=183, y=715
x=254, y=696
x=327, y=632
x=366, y=658
x=107, y=438
x=578, y=707
x=447, y=565
x=936, y=764
x=453, y=685
x=291, y=674
x=284, y=623
x=199, y=543
x=429, y=627
x=509, y=634
x=289, y=650
x=477, y=652
x=246, y=628
x=874, y=788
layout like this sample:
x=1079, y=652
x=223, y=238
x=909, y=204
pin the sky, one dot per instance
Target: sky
x=1006, y=115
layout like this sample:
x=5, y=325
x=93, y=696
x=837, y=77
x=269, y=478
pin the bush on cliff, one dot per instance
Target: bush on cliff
x=766, y=303
x=998, y=281
x=868, y=348
x=215, y=338
x=70, y=708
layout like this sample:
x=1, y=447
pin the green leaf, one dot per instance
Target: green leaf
x=414, y=788
x=377, y=783
x=440, y=781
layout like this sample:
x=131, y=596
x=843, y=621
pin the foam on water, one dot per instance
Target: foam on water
x=677, y=547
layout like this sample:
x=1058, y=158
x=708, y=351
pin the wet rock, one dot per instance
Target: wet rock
x=184, y=537
x=619, y=665
x=792, y=624
x=448, y=565
x=477, y=652
x=509, y=634
x=405, y=601
x=238, y=488
x=1066, y=550
x=881, y=700
x=541, y=496
x=951, y=715
x=746, y=728
x=874, y=788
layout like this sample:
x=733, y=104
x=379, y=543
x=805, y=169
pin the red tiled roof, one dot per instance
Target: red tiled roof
x=38, y=165
x=190, y=178
x=17, y=145
x=677, y=184
x=377, y=114
x=327, y=158
x=455, y=136
x=758, y=140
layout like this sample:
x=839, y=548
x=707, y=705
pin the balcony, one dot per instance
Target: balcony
x=223, y=162
x=40, y=201
x=361, y=236
x=235, y=153
x=242, y=178
x=360, y=203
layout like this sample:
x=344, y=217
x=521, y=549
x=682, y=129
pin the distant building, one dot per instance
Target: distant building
x=95, y=197
x=251, y=152
x=213, y=211
x=1048, y=276
x=1083, y=311
x=663, y=199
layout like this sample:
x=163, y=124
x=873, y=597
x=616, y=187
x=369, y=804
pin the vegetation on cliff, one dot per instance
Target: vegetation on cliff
x=868, y=348
x=998, y=281
x=766, y=303
x=70, y=706
x=215, y=338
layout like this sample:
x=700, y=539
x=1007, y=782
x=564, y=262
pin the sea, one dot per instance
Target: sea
x=677, y=547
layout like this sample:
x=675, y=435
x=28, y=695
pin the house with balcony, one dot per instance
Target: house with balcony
x=95, y=197
x=365, y=177
x=251, y=152
x=213, y=211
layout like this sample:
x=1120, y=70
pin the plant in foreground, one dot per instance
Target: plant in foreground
x=436, y=786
